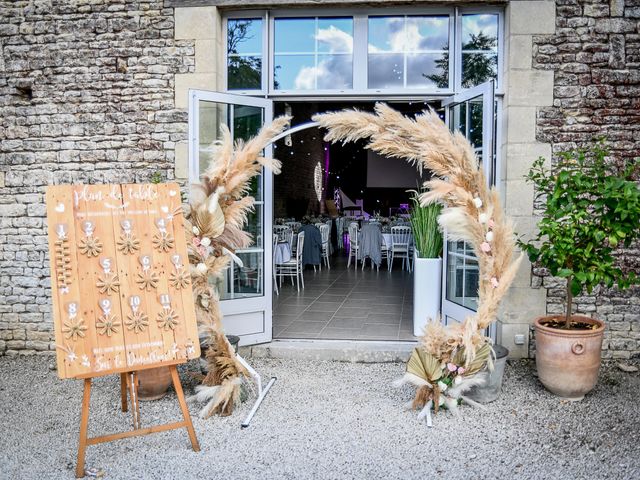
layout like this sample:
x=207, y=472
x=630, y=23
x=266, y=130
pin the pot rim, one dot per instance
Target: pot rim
x=571, y=333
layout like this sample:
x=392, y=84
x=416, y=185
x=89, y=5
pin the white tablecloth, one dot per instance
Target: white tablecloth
x=387, y=239
x=282, y=252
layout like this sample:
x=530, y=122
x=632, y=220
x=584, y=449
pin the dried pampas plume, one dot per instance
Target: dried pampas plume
x=472, y=210
x=214, y=224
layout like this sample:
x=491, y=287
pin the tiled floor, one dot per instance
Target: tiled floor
x=346, y=304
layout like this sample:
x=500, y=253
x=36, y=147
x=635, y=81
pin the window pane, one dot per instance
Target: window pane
x=427, y=33
x=334, y=72
x=212, y=116
x=418, y=44
x=386, y=70
x=475, y=123
x=294, y=72
x=244, y=73
x=478, y=68
x=335, y=35
x=244, y=36
x=245, y=281
x=427, y=70
x=386, y=34
x=480, y=32
x=295, y=35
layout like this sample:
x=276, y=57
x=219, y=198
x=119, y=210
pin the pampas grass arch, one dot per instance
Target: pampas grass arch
x=471, y=212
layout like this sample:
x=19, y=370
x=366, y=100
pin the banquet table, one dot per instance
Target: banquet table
x=387, y=237
x=282, y=253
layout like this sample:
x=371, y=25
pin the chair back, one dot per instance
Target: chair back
x=284, y=232
x=324, y=232
x=353, y=233
x=295, y=226
x=400, y=236
x=300, y=247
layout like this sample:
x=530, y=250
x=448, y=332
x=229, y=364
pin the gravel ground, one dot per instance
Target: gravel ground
x=326, y=420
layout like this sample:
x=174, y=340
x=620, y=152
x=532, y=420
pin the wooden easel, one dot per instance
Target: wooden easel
x=129, y=383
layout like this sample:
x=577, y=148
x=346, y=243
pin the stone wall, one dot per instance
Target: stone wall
x=595, y=54
x=86, y=95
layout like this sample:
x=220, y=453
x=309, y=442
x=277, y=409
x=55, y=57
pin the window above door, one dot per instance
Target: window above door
x=429, y=51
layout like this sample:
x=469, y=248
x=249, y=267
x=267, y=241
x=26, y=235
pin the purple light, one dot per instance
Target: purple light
x=327, y=161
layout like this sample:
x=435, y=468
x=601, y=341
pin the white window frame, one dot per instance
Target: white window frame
x=360, y=50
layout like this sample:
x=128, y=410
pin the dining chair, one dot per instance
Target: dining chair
x=400, y=240
x=294, y=267
x=325, y=230
x=273, y=263
x=353, y=244
x=284, y=233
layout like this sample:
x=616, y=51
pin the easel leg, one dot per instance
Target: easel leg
x=84, y=426
x=183, y=406
x=123, y=391
x=133, y=393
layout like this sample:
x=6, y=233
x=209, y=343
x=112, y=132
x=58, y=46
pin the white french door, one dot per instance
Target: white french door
x=245, y=290
x=472, y=112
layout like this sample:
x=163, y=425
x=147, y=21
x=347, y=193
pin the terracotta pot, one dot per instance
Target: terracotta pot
x=153, y=383
x=568, y=361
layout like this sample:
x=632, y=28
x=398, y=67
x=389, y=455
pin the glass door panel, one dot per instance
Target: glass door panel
x=471, y=113
x=246, y=307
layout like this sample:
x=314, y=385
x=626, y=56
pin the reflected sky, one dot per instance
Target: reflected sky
x=317, y=53
x=410, y=34
x=313, y=53
x=476, y=24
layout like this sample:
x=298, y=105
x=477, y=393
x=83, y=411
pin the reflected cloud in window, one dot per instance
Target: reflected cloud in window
x=408, y=51
x=313, y=54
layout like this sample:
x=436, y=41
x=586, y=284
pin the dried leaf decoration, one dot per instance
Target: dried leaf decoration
x=179, y=280
x=107, y=325
x=163, y=242
x=90, y=246
x=424, y=365
x=137, y=322
x=74, y=329
x=147, y=280
x=108, y=284
x=128, y=244
x=167, y=319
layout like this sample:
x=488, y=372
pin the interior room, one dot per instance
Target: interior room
x=346, y=294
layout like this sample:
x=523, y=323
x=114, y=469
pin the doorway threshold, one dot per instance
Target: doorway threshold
x=354, y=351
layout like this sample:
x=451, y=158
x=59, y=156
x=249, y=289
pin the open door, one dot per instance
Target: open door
x=245, y=291
x=472, y=112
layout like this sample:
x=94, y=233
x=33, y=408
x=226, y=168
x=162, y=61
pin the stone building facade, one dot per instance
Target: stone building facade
x=95, y=91
x=595, y=56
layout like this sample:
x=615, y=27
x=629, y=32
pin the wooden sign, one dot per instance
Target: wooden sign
x=122, y=298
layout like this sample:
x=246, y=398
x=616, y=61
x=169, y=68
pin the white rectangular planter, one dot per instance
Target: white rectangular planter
x=427, y=282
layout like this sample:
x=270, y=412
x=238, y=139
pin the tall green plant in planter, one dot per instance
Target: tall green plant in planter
x=424, y=223
x=590, y=210
x=427, y=263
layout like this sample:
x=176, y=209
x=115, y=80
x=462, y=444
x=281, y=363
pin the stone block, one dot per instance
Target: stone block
x=616, y=8
x=196, y=23
x=506, y=338
x=183, y=82
x=519, y=198
x=530, y=88
x=520, y=52
x=208, y=56
x=532, y=17
x=520, y=124
x=520, y=157
x=181, y=167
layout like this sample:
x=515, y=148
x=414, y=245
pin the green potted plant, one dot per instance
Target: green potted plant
x=427, y=263
x=589, y=209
